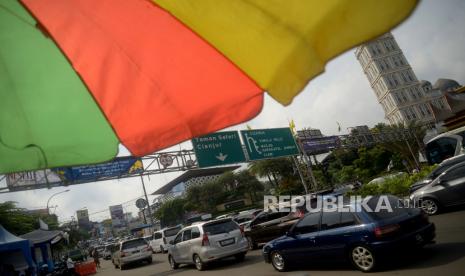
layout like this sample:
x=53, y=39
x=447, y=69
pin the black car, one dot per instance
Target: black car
x=77, y=255
x=446, y=164
x=267, y=226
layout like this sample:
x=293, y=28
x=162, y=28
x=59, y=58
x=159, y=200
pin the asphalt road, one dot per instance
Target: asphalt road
x=446, y=257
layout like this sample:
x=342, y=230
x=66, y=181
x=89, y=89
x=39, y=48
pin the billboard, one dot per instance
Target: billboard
x=117, y=216
x=30, y=180
x=83, y=218
x=117, y=167
x=73, y=175
x=317, y=145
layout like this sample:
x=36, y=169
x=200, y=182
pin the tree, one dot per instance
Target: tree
x=274, y=169
x=171, y=212
x=193, y=198
x=15, y=219
x=281, y=172
x=249, y=184
x=409, y=144
x=347, y=165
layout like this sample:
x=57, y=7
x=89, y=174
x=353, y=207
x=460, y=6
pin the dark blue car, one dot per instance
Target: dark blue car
x=360, y=236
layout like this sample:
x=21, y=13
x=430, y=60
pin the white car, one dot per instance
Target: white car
x=382, y=179
x=109, y=250
x=131, y=251
x=162, y=238
x=206, y=242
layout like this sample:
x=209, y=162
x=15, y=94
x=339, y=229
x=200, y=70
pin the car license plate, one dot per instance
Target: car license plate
x=227, y=242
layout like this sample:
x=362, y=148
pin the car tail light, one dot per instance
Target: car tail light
x=300, y=213
x=386, y=230
x=242, y=230
x=148, y=248
x=123, y=254
x=205, y=241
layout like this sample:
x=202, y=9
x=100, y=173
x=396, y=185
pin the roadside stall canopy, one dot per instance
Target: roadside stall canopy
x=78, y=77
x=15, y=251
x=42, y=240
x=43, y=236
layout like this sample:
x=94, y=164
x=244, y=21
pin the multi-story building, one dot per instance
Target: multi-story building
x=392, y=79
x=179, y=185
x=83, y=219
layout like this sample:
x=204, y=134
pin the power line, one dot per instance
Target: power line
x=125, y=203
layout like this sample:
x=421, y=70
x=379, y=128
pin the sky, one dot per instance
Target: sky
x=432, y=39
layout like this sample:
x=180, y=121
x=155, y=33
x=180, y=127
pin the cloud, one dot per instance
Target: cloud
x=433, y=40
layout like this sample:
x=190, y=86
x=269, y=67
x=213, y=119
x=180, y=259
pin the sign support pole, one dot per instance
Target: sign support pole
x=309, y=165
x=143, y=214
x=147, y=199
x=300, y=174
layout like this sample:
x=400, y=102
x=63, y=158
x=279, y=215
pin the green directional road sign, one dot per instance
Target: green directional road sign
x=219, y=148
x=269, y=143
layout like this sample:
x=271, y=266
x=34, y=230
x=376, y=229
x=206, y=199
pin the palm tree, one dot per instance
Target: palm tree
x=408, y=144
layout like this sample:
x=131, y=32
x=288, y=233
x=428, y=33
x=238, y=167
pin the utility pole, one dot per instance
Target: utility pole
x=147, y=199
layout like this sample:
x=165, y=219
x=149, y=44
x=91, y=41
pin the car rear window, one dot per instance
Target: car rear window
x=244, y=219
x=172, y=231
x=134, y=243
x=397, y=208
x=220, y=227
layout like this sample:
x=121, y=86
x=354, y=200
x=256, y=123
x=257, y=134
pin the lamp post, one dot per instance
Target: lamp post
x=48, y=201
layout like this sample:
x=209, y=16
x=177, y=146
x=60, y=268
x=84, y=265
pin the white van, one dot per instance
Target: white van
x=161, y=239
x=445, y=146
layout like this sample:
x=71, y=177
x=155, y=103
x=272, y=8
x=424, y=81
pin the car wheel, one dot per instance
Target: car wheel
x=198, y=263
x=252, y=243
x=278, y=261
x=239, y=257
x=430, y=206
x=362, y=258
x=173, y=264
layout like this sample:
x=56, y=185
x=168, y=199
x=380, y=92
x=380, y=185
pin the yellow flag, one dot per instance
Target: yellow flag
x=292, y=127
x=282, y=44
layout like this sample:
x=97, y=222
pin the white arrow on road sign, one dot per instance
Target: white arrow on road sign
x=254, y=143
x=221, y=157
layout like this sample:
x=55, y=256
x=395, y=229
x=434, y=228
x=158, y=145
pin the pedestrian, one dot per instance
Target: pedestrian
x=96, y=257
x=70, y=267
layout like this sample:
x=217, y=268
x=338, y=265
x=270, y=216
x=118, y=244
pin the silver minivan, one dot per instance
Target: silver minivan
x=447, y=189
x=131, y=251
x=206, y=242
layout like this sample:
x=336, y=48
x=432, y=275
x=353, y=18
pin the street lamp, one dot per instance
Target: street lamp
x=48, y=201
